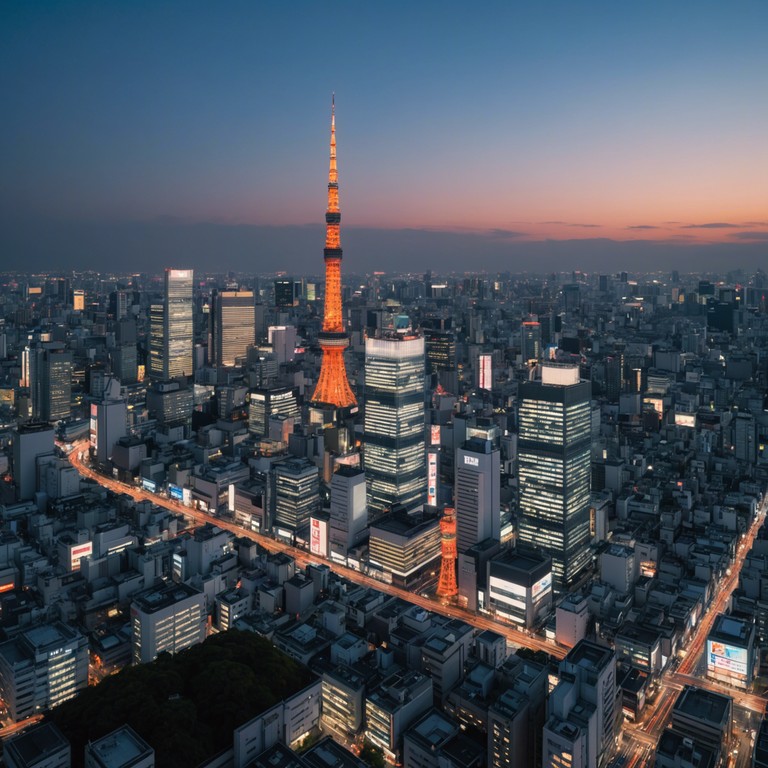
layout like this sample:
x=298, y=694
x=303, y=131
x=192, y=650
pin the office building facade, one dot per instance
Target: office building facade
x=171, y=332
x=477, y=493
x=395, y=458
x=554, y=444
x=233, y=327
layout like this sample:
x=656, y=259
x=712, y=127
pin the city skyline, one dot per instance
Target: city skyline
x=515, y=136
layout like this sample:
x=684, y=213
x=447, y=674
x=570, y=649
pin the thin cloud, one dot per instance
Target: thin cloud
x=712, y=225
x=643, y=226
x=506, y=233
x=761, y=236
x=573, y=224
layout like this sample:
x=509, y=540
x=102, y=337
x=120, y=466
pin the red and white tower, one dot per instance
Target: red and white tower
x=446, y=585
x=333, y=386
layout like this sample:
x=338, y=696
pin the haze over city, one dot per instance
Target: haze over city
x=558, y=134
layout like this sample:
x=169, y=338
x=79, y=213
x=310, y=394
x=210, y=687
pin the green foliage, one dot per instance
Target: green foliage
x=372, y=755
x=186, y=706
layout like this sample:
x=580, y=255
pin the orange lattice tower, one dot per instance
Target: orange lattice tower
x=446, y=585
x=332, y=386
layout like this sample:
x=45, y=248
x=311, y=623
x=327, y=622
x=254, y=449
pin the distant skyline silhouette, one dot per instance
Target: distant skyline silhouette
x=579, y=135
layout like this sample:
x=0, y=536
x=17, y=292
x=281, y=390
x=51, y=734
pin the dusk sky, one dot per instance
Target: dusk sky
x=502, y=135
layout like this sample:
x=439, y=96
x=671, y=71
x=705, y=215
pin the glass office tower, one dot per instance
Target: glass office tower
x=171, y=337
x=395, y=459
x=554, y=443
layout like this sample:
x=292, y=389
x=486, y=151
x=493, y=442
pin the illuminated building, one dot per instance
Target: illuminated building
x=520, y=586
x=446, y=584
x=265, y=403
x=332, y=386
x=50, y=382
x=554, y=444
x=78, y=300
x=233, y=326
x=285, y=292
x=170, y=618
x=171, y=335
x=42, y=667
x=731, y=651
x=297, y=495
x=395, y=459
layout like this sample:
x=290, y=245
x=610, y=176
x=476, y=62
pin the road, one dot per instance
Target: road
x=639, y=739
x=646, y=732
x=303, y=558
x=13, y=728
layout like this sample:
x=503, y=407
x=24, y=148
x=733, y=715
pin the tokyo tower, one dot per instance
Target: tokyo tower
x=332, y=386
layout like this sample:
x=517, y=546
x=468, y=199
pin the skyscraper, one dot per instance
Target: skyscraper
x=332, y=386
x=233, y=326
x=50, y=382
x=477, y=493
x=395, y=460
x=530, y=341
x=554, y=445
x=171, y=334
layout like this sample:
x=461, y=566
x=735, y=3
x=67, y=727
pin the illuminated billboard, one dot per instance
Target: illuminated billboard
x=175, y=492
x=434, y=434
x=685, y=419
x=486, y=372
x=729, y=658
x=78, y=551
x=318, y=537
x=94, y=426
x=432, y=478
x=541, y=587
x=148, y=485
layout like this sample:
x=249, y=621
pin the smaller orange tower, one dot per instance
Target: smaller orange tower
x=446, y=585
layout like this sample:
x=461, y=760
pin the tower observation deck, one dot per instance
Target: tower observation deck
x=333, y=386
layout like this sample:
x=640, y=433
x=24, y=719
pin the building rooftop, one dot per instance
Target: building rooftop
x=36, y=745
x=703, y=705
x=119, y=749
x=328, y=754
x=156, y=599
x=588, y=654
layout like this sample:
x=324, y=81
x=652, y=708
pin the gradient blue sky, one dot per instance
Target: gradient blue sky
x=510, y=122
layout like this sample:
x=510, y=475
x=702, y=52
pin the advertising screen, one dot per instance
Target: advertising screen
x=81, y=550
x=542, y=586
x=148, y=485
x=434, y=434
x=685, y=419
x=726, y=657
x=175, y=492
x=432, y=478
x=318, y=538
x=486, y=374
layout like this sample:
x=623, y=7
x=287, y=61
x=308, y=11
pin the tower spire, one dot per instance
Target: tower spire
x=332, y=386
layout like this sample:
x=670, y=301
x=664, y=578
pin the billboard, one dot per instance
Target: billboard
x=729, y=658
x=148, y=485
x=432, y=478
x=94, y=427
x=175, y=492
x=486, y=372
x=318, y=537
x=542, y=586
x=685, y=419
x=434, y=434
x=78, y=551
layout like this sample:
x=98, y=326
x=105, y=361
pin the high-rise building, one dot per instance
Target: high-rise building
x=333, y=386
x=30, y=442
x=233, y=326
x=170, y=618
x=530, y=341
x=285, y=292
x=349, y=510
x=109, y=422
x=554, y=444
x=171, y=333
x=297, y=495
x=477, y=493
x=50, y=382
x=395, y=458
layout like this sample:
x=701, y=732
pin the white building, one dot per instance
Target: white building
x=29, y=442
x=42, y=667
x=571, y=620
x=170, y=619
x=349, y=510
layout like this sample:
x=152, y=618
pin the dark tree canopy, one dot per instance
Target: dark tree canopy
x=185, y=706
